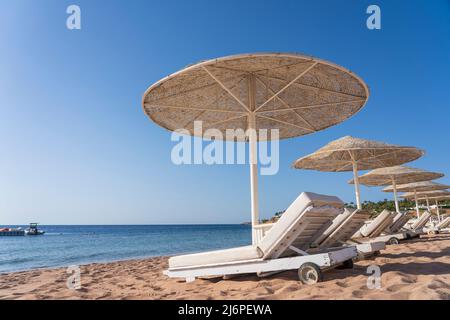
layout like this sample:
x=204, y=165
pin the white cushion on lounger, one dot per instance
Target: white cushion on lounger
x=346, y=229
x=383, y=226
x=399, y=221
x=218, y=256
x=443, y=224
x=422, y=221
x=315, y=209
x=369, y=229
x=334, y=225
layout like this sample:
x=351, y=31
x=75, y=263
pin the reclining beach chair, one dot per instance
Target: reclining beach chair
x=342, y=229
x=443, y=225
x=284, y=247
x=399, y=222
x=376, y=230
x=418, y=226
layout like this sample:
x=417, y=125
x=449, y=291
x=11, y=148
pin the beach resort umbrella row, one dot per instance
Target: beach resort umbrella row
x=436, y=201
x=425, y=195
x=396, y=175
x=424, y=186
x=353, y=154
x=294, y=94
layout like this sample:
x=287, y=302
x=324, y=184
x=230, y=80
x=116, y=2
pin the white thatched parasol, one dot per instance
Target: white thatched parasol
x=295, y=94
x=349, y=153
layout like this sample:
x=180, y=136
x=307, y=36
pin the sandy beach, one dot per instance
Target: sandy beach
x=416, y=269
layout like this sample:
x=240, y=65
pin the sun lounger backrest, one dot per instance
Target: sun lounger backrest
x=334, y=225
x=422, y=221
x=443, y=224
x=399, y=221
x=373, y=229
x=384, y=227
x=346, y=229
x=298, y=226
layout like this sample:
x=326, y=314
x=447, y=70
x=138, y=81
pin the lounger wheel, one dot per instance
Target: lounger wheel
x=310, y=273
x=347, y=264
x=393, y=240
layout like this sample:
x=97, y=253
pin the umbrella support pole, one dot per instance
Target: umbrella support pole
x=356, y=179
x=428, y=204
x=437, y=211
x=394, y=185
x=253, y=155
x=417, y=204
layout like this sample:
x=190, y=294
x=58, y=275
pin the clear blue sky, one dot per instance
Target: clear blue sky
x=76, y=148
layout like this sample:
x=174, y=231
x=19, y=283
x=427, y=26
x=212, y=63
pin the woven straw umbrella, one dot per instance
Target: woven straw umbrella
x=294, y=94
x=397, y=175
x=353, y=154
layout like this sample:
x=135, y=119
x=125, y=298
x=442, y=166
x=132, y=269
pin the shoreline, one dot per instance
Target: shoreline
x=415, y=269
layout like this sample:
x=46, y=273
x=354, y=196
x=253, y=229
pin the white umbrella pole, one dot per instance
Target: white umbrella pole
x=437, y=211
x=253, y=157
x=417, y=204
x=394, y=186
x=356, y=179
x=428, y=204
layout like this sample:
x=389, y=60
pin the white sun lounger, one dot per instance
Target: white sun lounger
x=375, y=230
x=284, y=247
x=443, y=225
x=342, y=229
x=419, y=224
x=399, y=222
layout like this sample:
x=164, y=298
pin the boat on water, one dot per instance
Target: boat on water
x=11, y=232
x=33, y=230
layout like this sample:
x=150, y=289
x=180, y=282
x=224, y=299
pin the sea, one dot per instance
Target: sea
x=63, y=246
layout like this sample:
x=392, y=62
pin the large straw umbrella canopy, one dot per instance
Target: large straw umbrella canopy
x=294, y=94
x=397, y=175
x=353, y=154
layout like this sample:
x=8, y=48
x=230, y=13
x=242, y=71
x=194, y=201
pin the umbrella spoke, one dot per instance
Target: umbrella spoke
x=308, y=86
x=315, y=105
x=288, y=85
x=288, y=107
x=224, y=120
x=206, y=86
x=284, y=122
x=192, y=108
x=226, y=89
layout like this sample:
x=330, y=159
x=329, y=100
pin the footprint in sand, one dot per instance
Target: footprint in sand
x=409, y=279
x=438, y=284
x=444, y=294
x=358, y=294
x=396, y=287
x=341, y=284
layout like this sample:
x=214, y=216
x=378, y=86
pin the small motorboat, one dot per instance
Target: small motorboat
x=11, y=232
x=33, y=230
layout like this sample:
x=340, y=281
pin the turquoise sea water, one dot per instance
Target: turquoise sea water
x=75, y=245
